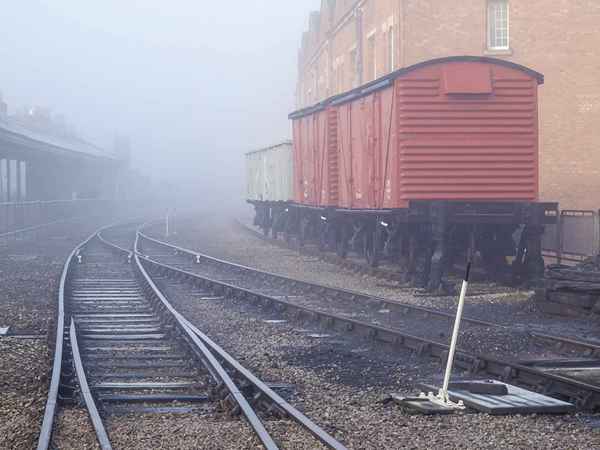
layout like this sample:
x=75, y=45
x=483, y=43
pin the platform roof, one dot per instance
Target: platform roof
x=16, y=138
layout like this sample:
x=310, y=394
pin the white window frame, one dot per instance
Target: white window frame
x=372, y=38
x=353, y=56
x=389, y=34
x=492, y=42
x=391, y=45
x=338, y=68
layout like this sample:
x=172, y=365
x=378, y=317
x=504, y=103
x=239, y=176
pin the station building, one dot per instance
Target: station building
x=40, y=160
x=352, y=42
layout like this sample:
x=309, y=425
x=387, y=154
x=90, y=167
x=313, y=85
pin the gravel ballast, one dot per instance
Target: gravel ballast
x=220, y=237
x=339, y=381
x=342, y=383
x=29, y=275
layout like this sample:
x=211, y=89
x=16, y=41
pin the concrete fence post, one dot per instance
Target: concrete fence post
x=559, y=238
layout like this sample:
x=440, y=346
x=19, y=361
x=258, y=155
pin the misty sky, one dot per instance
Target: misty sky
x=190, y=80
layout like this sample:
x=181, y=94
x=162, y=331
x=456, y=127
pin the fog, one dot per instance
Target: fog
x=193, y=84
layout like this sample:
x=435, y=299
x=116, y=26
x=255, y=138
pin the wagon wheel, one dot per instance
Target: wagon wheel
x=303, y=234
x=323, y=230
x=371, y=246
x=341, y=242
x=266, y=222
x=288, y=227
x=276, y=224
x=342, y=249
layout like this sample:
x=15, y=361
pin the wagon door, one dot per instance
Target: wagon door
x=299, y=133
x=387, y=162
x=361, y=154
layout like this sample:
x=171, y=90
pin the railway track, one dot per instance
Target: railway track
x=348, y=263
x=564, y=367
x=356, y=264
x=122, y=346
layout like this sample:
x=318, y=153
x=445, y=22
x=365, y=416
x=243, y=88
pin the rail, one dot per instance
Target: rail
x=584, y=395
x=298, y=417
x=101, y=434
x=211, y=352
x=23, y=217
x=346, y=292
x=50, y=411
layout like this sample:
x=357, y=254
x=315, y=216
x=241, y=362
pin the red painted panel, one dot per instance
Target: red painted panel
x=453, y=130
x=303, y=160
x=367, y=137
x=474, y=146
x=467, y=78
x=311, y=159
x=298, y=142
x=344, y=139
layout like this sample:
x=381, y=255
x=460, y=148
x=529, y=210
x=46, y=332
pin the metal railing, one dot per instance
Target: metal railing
x=575, y=237
x=16, y=217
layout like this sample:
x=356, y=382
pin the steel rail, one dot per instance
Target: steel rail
x=49, y=202
x=377, y=272
x=321, y=287
x=101, y=434
x=592, y=348
x=36, y=227
x=212, y=348
x=215, y=368
x=265, y=390
x=585, y=395
x=50, y=410
x=589, y=347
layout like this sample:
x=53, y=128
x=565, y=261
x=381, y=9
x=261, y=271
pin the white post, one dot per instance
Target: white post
x=443, y=394
x=167, y=225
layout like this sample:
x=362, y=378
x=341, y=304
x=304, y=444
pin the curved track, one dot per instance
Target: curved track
x=133, y=352
x=51, y=404
x=290, y=296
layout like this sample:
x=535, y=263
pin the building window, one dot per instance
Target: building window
x=498, y=24
x=326, y=71
x=338, y=75
x=372, y=66
x=354, y=66
x=390, y=36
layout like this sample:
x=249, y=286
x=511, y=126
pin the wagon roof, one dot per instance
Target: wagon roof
x=387, y=80
x=281, y=144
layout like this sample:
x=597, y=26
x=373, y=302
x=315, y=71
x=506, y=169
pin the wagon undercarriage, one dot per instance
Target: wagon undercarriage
x=426, y=240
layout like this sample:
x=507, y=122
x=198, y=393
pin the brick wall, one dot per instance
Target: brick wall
x=558, y=38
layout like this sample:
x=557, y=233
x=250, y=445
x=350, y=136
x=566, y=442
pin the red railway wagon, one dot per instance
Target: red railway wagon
x=457, y=129
x=424, y=164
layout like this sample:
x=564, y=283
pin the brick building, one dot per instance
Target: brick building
x=351, y=42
